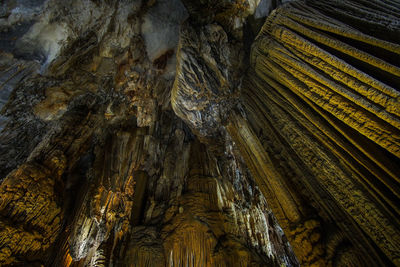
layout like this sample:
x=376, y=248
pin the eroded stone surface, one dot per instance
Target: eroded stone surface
x=124, y=146
x=128, y=183
x=208, y=78
x=322, y=100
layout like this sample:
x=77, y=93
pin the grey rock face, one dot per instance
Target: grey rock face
x=208, y=78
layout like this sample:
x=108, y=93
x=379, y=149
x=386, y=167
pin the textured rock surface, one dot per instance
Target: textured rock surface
x=318, y=126
x=208, y=78
x=201, y=213
x=150, y=133
x=322, y=100
x=96, y=168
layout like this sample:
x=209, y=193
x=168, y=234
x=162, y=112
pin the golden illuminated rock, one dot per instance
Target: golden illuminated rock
x=200, y=133
x=28, y=201
x=322, y=101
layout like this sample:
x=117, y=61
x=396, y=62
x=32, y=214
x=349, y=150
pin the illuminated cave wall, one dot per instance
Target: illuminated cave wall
x=200, y=133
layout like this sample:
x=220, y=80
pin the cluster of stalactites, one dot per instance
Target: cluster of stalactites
x=323, y=91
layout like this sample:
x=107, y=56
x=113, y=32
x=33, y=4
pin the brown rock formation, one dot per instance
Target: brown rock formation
x=323, y=112
x=148, y=133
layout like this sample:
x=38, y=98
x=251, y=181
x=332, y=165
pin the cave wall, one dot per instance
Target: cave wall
x=316, y=122
x=322, y=98
x=96, y=168
x=199, y=133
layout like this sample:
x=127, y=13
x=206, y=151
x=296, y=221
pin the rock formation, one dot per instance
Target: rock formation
x=327, y=89
x=200, y=133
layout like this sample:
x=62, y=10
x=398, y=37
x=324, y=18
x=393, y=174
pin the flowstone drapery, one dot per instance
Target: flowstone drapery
x=200, y=133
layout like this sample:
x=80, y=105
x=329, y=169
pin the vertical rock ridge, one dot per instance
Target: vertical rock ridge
x=314, y=92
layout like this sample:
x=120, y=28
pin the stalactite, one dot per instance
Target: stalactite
x=203, y=224
x=189, y=133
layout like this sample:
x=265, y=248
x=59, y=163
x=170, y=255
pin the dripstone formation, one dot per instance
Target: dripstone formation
x=200, y=133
